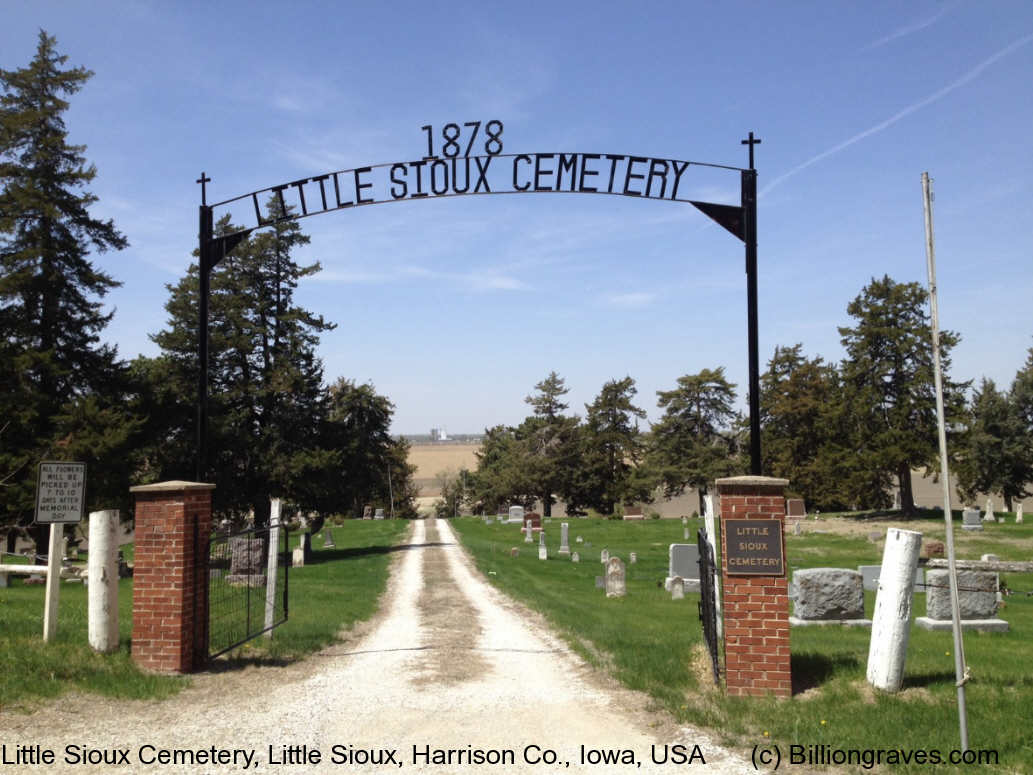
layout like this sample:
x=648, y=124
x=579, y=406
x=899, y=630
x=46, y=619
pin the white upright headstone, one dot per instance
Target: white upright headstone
x=528, y=532
x=604, y=556
x=632, y=558
x=988, y=515
x=516, y=514
x=896, y=501
x=564, y=538
x=677, y=588
x=575, y=557
x=1018, y=515
x=615, y=578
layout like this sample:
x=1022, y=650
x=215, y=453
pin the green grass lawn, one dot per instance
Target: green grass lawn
x=653, y=643
x=338, y=588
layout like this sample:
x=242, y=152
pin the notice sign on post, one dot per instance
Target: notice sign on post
x=60, y=493
x=754, y=547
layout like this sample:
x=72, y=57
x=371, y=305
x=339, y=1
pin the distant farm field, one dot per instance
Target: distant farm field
x=433, y=459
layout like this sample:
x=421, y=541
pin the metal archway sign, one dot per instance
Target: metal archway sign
x=450, y=170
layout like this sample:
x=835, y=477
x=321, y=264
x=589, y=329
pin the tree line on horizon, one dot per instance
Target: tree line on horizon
x=277, y=428
x=844, y=434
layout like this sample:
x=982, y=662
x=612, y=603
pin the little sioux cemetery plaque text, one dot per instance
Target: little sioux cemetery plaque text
x=754, y=547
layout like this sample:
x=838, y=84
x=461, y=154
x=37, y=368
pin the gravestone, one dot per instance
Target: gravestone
x=379, y=514
x=970, y=520
x=516, y=514
x=685, y=535
x=534, y=520
x=683, y=561
x=828, y=595
x=600, y=582
x=564, y=538
x=514, y=551
x=575, y=557
x=684, y=520
x=977, y=601
x=633, y=514
x=579, y=540
x=896, y=501
x=874, y=536
x=489, y=521
x=328, y=539
x=615, y=578
x=298, y=557
x=543, y=553
x=795, y=508
x=247, y=562
x=797, y=528
x=1018, y=515
x=677, y=588
x=632, y=558
x=528, y=532
x=988, y=515
x=604, y=556
x=367, y=512
x=870, y=577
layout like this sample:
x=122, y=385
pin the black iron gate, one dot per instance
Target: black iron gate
x=707, y=608
x=242, y=604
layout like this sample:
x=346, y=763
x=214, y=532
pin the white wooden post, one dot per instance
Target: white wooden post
x=891, y=623
x=57, y=533
x=272, y=565
x=102, y=591
x=709, y=518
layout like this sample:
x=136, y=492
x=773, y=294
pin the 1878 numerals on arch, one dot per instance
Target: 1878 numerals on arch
x=451, y=144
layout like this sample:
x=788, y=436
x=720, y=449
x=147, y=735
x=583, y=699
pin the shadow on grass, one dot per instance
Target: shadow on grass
x=333, y=555
x=812, y=670
x=929, y=679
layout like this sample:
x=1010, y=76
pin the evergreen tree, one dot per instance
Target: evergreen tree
x=888, y=388
x=501, y=478
x=372, y=468
x=62, y=391
x=611, y=451
x=267, y=402
x=802, y=426
x=995, y=455
x=692, y=445
x=549, y=441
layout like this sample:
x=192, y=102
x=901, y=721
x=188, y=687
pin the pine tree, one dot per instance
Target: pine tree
x=549, y=441
x=611, y=451
x=61, y=389
x=267, y=402
x=692, y=444
x=802, y=426
x=888, y=388
x=995, y=455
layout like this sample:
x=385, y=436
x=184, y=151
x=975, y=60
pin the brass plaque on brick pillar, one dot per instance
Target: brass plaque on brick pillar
x=753, y=547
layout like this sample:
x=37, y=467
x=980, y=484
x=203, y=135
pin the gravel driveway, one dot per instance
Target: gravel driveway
x=451, y=676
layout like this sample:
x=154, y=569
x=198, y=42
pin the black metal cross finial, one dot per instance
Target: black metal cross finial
x=751, y=142
x=205, y=179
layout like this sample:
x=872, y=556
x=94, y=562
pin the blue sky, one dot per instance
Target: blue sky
x=455, y=308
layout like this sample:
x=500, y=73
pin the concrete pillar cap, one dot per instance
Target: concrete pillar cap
x=172, y=486
x=751, y=481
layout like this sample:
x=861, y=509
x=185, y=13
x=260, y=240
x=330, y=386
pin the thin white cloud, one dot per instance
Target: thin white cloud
x=630, y=300
x=964, y=79
x=477, y=280
x=909, y=29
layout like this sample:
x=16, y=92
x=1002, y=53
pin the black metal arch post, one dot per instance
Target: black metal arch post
x=211, y=250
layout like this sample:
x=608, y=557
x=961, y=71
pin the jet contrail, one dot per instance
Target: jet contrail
x=971, y=74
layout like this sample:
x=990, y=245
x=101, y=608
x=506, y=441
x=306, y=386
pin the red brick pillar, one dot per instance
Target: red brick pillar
x=170, y=589
x=756, y=591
